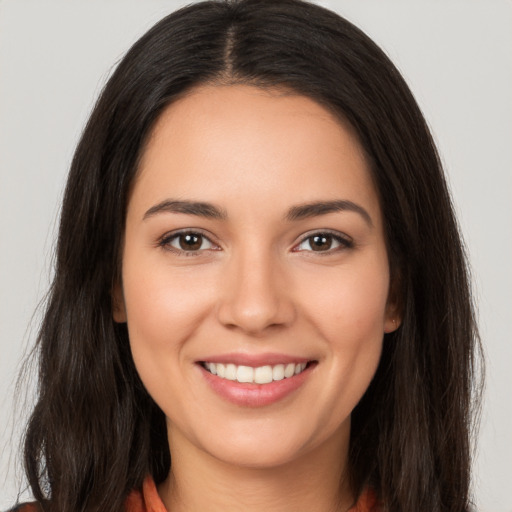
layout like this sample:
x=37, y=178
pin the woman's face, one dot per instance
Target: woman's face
x=255, y=276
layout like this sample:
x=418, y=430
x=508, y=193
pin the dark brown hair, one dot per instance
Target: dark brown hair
x=95, y=433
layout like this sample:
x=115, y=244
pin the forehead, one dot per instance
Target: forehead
x=228, y=141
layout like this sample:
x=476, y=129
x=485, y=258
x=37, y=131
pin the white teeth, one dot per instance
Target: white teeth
x=278, y=372
x=230, y=372
x=260, y=375
x=245, y=374
x=263, y=374
x=299, y=368
x=289, y=370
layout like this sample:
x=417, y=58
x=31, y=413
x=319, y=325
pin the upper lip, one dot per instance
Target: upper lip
x=254, y=360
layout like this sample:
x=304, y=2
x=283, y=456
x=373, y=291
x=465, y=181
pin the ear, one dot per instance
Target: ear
x=393, y=313
x=392, y=322
x=118, y=305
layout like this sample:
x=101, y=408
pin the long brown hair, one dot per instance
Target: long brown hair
x=95, y=433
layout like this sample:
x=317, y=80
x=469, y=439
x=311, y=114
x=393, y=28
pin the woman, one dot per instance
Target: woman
x=260, y=298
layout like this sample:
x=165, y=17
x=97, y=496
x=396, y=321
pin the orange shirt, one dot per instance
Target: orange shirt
x=148, y=500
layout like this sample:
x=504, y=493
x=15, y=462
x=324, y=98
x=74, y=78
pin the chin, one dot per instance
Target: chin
x=267, y=445
x=257, y=457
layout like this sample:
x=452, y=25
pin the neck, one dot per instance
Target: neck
x=315, y=481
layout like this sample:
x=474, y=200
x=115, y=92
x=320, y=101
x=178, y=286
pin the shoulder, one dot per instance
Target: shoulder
x=27, y=507
x=367, y=502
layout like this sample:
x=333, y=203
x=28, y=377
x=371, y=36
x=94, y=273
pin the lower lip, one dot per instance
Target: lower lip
x=255, y=395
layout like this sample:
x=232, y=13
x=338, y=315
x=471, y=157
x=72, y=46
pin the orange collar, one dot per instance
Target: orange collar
x=146, y=501
x=149, y=501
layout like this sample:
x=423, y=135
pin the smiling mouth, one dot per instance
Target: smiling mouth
x=258, y=375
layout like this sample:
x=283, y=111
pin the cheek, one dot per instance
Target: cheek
x=163, y=309
x=348, y=311
x=349, y=303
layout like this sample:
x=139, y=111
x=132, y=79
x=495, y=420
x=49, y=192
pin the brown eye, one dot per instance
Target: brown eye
x=320, y=242
x=190, y=241
x=324, y=242
x=187, y=242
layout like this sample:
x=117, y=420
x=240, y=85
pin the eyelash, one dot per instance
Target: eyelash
x=166, y=240
x=343, y=241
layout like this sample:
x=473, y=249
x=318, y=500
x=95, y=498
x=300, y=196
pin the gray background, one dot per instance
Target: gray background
x=457, y=58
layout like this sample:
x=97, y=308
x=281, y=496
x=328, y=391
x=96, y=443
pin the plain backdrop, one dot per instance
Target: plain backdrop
x=457, y=57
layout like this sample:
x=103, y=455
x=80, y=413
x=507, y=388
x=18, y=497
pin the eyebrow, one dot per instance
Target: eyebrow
x=295, y=213
x=200, y=209
x=308, y=210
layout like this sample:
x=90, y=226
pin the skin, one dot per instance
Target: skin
x=255, y=286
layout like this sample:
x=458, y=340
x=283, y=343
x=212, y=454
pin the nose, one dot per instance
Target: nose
x=255, y=296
